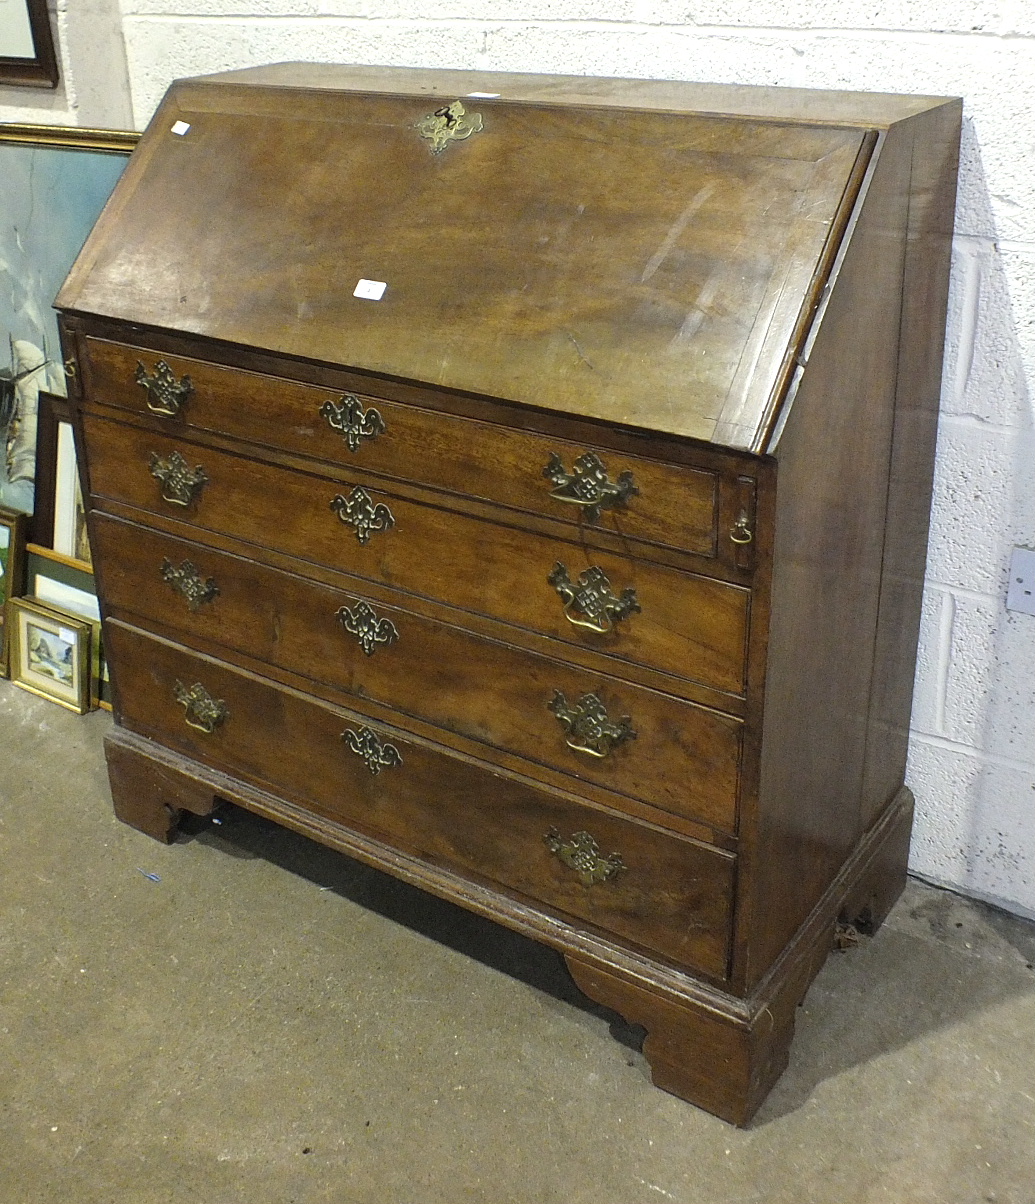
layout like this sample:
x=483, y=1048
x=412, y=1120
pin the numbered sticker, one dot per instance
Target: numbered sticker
x=370, y=290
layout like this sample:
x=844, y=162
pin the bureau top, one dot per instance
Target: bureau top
x=640, y=252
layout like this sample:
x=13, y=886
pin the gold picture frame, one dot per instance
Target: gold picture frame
x=51, y=654
x=54, y=183
x=63, y=585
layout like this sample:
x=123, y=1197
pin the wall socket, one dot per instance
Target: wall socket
x=1020, y=594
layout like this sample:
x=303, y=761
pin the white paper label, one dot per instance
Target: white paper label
x=483, y=95
x=180, y=127
x=370, y=290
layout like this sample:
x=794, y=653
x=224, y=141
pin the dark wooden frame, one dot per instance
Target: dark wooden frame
x=15, y=522
x=41, y=71
x=53, y=410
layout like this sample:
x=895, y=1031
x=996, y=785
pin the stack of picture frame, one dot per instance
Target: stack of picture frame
x=50, y=628
x=53, y=184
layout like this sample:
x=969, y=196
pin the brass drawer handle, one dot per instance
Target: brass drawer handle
x=165, y=394
x=741, y=532
x=369, y=630
x=587, y=485
x=180, y=485
x=592, y=599
x=351, y=421
x=359, y=512
x=189, y=584
x=587, y=726
x=375, y=754
x=202, y=710
x=582, y=854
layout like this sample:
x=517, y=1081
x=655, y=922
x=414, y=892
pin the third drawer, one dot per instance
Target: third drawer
x=683, y=758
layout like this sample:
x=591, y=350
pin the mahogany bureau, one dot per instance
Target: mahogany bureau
x=521, y=484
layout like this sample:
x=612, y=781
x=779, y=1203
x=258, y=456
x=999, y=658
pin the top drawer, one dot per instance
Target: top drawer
x=640, y=499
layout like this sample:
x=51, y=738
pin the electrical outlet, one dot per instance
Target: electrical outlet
x=1021, y=592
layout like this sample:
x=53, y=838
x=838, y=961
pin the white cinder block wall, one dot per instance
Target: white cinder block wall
x=972, y=762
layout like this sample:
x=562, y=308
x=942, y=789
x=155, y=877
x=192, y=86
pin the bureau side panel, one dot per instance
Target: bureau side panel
x=831, y=492
x=935, y=158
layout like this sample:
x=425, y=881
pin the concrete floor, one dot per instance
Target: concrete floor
x=245, y=1016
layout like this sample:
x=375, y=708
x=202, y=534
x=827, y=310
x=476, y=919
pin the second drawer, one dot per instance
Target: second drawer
x=631, y=610
x=676, y=756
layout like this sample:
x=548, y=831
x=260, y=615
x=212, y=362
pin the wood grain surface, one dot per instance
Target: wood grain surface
x=688, y=624
x=674, y=897
x=684, y=758
x=674, y=505
x=528, y=261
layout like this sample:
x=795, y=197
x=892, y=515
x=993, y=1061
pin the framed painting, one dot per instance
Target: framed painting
x=59, y=518
x=50, y=654
x=27, y=45
x=54, y=182
x=12, y=560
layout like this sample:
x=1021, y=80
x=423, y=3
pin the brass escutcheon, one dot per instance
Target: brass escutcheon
x=587, y=485
x=165, y=394
x=188, y=583
x=202, y=711
x=359, y=512
x=180, y=485
x=582, y=854
x=451, y=123
x=364, y=624
x=351, y=421
x=375, y=754
x=592, y=598
x=587, y=726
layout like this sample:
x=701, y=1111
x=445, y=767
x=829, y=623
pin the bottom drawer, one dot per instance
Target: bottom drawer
x=668, y=894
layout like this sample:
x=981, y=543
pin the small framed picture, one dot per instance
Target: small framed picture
x=62, y=586
x=27, y=45
x=12, y=571
x=50, y=653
